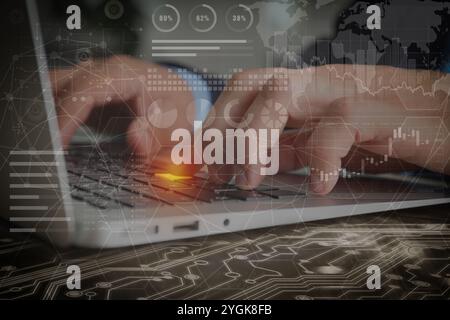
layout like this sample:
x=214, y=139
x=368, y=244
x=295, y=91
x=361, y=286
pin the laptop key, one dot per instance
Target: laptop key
x=279, y=194
x=139, y=202
x=80, y=194
x=125, y=201
x=146, y=169
x=97, y=176
x=97, y=202
x=105, y=192
x=115, y=182
x=226, y=187
x=124, y=197
x=110, y=204
x=127, y=173
x=137, y=188
x=87, y=186
x=244, y=194
x=166, y=196
x=220, y=196
x=204, y=184
x=263, y=187
x=139, y=177
x=169, y=185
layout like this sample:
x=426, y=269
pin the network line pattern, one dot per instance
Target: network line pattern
x=216, y=80
x=33, y=172
x=151, y=80
x=321, y=261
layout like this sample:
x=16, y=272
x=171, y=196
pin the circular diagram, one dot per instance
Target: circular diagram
x=274, y=115
x=114, y=9
x=203, y=18
x=229, y=119
x=159, y=118
x=83, y=55
x=166, y=18
x=239, y=18
x=35, y=113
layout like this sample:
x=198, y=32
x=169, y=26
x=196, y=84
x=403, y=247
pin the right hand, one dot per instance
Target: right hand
x=348, y=121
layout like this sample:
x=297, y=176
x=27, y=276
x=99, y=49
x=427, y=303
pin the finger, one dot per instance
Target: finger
x=227, y=112
x=313, y=88
x=90, y=88
x=234, y=100
x=269, y=115
x=59, y=78
x=332, y=140
x=292, y=150
x=328, y=144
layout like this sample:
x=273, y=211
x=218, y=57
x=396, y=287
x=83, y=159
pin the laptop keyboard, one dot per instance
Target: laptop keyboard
x=112, y=183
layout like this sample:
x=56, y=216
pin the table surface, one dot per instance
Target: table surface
x=324, y=259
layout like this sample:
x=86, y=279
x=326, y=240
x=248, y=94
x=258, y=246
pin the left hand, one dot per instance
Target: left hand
x=104, y=86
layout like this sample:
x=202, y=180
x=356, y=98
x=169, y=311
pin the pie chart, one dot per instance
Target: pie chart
x=159, y=117
x=274, y=115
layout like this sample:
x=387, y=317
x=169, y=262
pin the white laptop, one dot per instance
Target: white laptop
x=100, y=196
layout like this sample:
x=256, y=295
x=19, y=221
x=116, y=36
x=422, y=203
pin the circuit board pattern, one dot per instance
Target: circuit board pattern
x=319, y=260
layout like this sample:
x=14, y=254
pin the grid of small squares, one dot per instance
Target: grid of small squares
x=177, y=78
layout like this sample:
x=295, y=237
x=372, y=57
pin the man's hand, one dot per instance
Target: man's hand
x=347, y=115
x=117, y=82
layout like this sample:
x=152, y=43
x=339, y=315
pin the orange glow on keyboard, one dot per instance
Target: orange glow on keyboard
x=171, y=177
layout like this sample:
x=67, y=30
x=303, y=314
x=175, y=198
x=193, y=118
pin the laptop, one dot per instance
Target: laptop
x=102, y=195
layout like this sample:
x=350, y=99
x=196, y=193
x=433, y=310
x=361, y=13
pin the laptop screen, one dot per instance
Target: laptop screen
x=32, y=163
